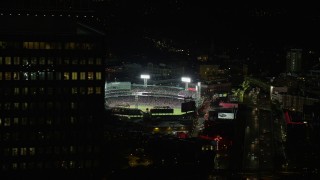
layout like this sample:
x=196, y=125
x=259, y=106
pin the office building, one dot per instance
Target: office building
x=51, y=96
x=294, y=61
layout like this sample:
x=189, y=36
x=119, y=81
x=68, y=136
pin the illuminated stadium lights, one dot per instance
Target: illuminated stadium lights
x=145, y=78
x=198, y=88
x=186, y=80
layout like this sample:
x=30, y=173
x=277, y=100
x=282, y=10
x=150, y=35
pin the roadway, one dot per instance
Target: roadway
x=258, y=156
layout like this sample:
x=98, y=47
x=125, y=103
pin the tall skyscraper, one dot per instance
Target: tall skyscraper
x=51, y=96
x=294, y=60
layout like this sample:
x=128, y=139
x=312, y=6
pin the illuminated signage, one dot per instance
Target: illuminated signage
x=145, y=76
x=225, y=115
x=228, y=105
x=185, y=79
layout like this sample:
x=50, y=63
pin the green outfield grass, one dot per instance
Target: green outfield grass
x=176, y=111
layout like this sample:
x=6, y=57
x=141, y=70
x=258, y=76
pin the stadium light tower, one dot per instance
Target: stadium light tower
x=198, y=88
x=186, y=80
x=145, y=78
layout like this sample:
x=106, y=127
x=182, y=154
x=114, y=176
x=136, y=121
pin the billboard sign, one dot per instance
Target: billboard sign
x=118, y=86
x=224, y=115
x=228, y=105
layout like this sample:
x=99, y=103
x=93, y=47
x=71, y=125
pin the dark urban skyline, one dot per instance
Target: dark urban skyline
x=233, y=24
x=199, y=26
x=238, y=99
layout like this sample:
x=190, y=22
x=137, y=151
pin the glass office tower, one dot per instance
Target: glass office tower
x=51, y=96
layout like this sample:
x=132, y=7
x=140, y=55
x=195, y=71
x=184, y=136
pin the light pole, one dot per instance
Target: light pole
x=198, y=88
x=217, y=139
x=145, y=78
x=186, y=80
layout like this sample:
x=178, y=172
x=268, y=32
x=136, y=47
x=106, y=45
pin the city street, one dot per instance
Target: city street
x=258, y=156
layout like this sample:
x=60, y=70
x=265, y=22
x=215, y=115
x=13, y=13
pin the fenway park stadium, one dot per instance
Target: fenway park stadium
x=170, y=105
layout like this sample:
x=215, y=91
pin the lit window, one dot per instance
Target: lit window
x=7, y=75
x=98, y=75
x=32, y=151
x=16, y=91
x=74, y=75
x=16, y=120
x=73, y=105
x=33, y=91
x=71, y=45
x=25, y=45
x=16, y=106
x=42, y=45
x=0, y=75
x=25, y=76
x=50, y=75
x=25, y=91
x=42, y=75
x=74, y=90
x=47, y=46
x=23, y=151
x=90, y=90
x=41, y=90
x=16, y=75
x=25, y=61
x=7, y=60
x=72, y=121
x=14, y=166
x=0, y=60
x=30, y=45
x=34, y=60
x=24, y=106
x=7, y=121
x=90, y=75
x=33, y=76
x=72, y=164
x=16, y=60
x=35, y=45
x=98, y=90
x=66, y=75
x=49, y=121
x=82, y=75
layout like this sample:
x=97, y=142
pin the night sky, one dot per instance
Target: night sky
x=198, y=24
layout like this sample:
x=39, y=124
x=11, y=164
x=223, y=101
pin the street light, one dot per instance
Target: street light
x=198, y=90
x=145, y=78
x=217, y=139
x=186, y=80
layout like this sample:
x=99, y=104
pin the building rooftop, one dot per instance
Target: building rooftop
x=45, y=24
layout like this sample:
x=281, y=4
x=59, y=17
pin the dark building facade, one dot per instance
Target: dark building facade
x=51, y=97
